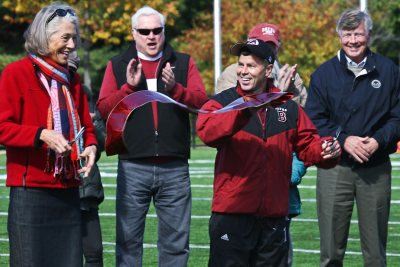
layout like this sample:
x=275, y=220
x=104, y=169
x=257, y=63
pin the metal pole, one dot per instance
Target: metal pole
x=363, y=5
x=217, y=40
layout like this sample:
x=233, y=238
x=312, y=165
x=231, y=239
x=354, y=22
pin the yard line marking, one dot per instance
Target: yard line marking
x=196, y=161
x=208, y=217
x=111, y=214
x=107, y=175
x=309, y=200
x=352, y=221
x=307, y=251
x=146, y=245
x=347, y=252
x=314, y=177
x=193, y=175
x=314, y=187
x=211, y=186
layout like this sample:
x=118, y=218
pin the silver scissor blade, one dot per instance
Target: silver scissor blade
x=81, y=131
x=338, y=131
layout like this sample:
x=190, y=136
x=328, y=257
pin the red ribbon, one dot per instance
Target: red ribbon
x=118, y=117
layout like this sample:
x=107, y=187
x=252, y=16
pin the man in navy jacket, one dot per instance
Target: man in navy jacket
x=355, y=96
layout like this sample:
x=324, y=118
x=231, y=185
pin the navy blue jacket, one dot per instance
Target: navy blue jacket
x=366, y=105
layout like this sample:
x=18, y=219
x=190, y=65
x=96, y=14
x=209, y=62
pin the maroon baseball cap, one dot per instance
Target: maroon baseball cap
x=266, y=32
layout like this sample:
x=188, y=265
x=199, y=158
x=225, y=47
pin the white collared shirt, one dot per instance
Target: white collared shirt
x=351, y=63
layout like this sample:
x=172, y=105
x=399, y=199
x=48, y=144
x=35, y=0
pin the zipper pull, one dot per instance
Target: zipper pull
x=156, y=134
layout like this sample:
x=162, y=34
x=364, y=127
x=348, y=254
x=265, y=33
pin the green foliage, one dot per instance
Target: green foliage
x=6, y=59
x=386, y=30
x=304, y=229
x=307, y=29
x=99, y=57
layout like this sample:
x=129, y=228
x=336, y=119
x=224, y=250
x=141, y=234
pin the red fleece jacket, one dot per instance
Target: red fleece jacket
x=24, y=105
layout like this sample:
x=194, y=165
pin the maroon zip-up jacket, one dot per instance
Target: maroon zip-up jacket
x=253, y=165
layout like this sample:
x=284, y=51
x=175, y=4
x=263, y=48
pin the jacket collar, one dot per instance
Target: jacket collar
x=369, y=65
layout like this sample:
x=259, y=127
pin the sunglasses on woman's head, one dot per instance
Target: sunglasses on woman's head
x=155, y=31
x=60, y=13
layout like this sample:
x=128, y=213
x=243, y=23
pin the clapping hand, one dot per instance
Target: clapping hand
x=286, y=77
x=168, y=77
x=133, y=72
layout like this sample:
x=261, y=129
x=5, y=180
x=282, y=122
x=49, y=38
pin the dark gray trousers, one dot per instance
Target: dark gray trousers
x=337, y=189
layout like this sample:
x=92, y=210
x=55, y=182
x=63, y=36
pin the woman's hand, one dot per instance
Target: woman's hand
x=55, y=141
x=88, y=156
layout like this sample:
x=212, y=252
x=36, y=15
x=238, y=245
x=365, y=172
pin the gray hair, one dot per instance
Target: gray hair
x=38, y=34
x=351, y=19
x=73, y=60
x=146, y=10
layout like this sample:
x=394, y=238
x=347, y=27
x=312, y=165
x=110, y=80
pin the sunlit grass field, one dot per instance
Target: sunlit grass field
x=304, y=228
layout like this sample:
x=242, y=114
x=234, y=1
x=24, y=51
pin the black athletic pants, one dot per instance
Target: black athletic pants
x=247, y=240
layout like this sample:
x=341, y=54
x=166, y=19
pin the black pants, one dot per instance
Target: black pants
x=91, y=238
x=247, y=240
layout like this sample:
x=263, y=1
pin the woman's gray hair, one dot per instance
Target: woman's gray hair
x=38, y=34
x=351, y=19
x=146, y=10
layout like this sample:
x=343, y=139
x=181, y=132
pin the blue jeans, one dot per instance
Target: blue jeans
x=168, y=184
x=44, y=227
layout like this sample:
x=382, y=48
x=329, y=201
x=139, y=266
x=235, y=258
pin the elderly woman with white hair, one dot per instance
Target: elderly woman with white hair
x=44, y=113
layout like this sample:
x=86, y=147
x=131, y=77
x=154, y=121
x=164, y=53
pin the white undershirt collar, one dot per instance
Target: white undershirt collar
x=144, y=57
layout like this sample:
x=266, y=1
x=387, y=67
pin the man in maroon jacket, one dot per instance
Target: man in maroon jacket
x=253, y=164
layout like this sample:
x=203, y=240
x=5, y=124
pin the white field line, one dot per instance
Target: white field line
x=113, y=175
x=193, y=246
x=199, y=172
x=195, y=173
x=206, y=217
x=112, y=166
x=308, y=200
x=106, y=185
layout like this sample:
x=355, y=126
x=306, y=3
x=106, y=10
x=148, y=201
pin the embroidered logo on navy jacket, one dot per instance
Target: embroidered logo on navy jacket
x=376, y=84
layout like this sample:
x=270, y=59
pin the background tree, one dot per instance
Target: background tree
x=307, y=30
x=386, y=31
x=105, y=23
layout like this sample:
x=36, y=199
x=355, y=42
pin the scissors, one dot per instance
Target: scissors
x=331, y=141
x=338, y=130
x=81, y=131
